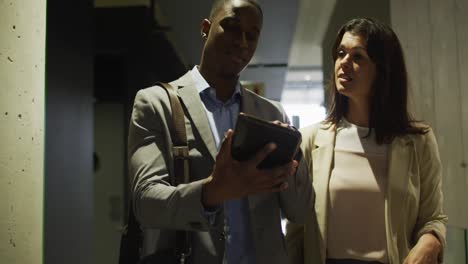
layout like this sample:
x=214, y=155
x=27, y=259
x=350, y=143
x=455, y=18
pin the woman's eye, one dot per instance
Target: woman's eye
x=341, y=54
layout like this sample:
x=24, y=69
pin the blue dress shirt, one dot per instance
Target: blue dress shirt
x=223, y=116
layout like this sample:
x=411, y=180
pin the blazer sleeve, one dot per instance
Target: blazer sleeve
x=295, y=232
x=297, y=201
x=431, y=218
x=295, y=242
x=157, y=204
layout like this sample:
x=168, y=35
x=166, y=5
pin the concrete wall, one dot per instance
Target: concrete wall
x=435, y=40
x=22, y=51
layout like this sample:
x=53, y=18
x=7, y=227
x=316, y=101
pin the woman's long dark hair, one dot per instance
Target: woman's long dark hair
x=388, y=115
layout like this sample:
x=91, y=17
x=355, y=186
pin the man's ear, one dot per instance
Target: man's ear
x=205, y=28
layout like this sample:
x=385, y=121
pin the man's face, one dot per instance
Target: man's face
x=232, y=37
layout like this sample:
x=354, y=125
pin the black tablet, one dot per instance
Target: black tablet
x=251, y=134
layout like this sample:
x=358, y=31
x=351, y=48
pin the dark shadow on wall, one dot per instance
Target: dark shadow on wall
x=68, y=133
x=92, y=56
x=132, y=53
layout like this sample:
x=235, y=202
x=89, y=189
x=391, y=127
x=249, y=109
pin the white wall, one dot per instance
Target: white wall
x=22, y=51
x=435, y=40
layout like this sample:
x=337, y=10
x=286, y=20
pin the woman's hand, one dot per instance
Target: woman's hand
x=426, y=251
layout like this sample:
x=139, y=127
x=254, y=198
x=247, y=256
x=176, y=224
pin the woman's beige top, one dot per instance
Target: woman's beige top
x=356, y=207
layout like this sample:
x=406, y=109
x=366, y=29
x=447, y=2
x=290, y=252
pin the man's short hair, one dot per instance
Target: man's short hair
x=218, y=4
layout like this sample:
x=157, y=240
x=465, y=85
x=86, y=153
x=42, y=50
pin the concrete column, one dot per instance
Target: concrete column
x=22, y=51
x=435, y=40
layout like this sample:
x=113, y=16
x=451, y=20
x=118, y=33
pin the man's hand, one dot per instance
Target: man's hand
x=426, y=251
x=232, y=179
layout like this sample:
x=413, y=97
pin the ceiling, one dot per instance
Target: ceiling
x=292, y=31
x=290, y=40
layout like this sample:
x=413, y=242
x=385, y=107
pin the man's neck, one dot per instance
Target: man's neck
x=224, y=86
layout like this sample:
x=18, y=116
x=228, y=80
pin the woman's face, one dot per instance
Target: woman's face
x=355, y=72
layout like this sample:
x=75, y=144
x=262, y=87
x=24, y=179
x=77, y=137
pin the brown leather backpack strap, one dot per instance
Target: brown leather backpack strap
x=180, y=151
x=179, y=138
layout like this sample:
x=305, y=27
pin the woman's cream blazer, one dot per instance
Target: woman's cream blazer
x=413, y=199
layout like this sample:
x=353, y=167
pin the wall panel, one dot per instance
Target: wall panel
x=22, y=51
x=447, y=103
x=434, y=38
x=461, y=26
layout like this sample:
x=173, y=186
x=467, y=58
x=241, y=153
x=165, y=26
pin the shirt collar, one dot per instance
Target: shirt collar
x=201, y=84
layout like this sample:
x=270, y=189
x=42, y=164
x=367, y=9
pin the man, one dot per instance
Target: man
x=233, y=208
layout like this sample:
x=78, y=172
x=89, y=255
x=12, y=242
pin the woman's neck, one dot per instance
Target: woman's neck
x=358, y=113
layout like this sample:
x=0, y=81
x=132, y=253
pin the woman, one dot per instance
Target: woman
x=376, y=172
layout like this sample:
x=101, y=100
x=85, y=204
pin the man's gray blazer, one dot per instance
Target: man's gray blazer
x=161, y=208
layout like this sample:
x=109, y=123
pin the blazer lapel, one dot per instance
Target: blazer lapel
x=193, y=104
x=248, y=105
x=322, y=158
